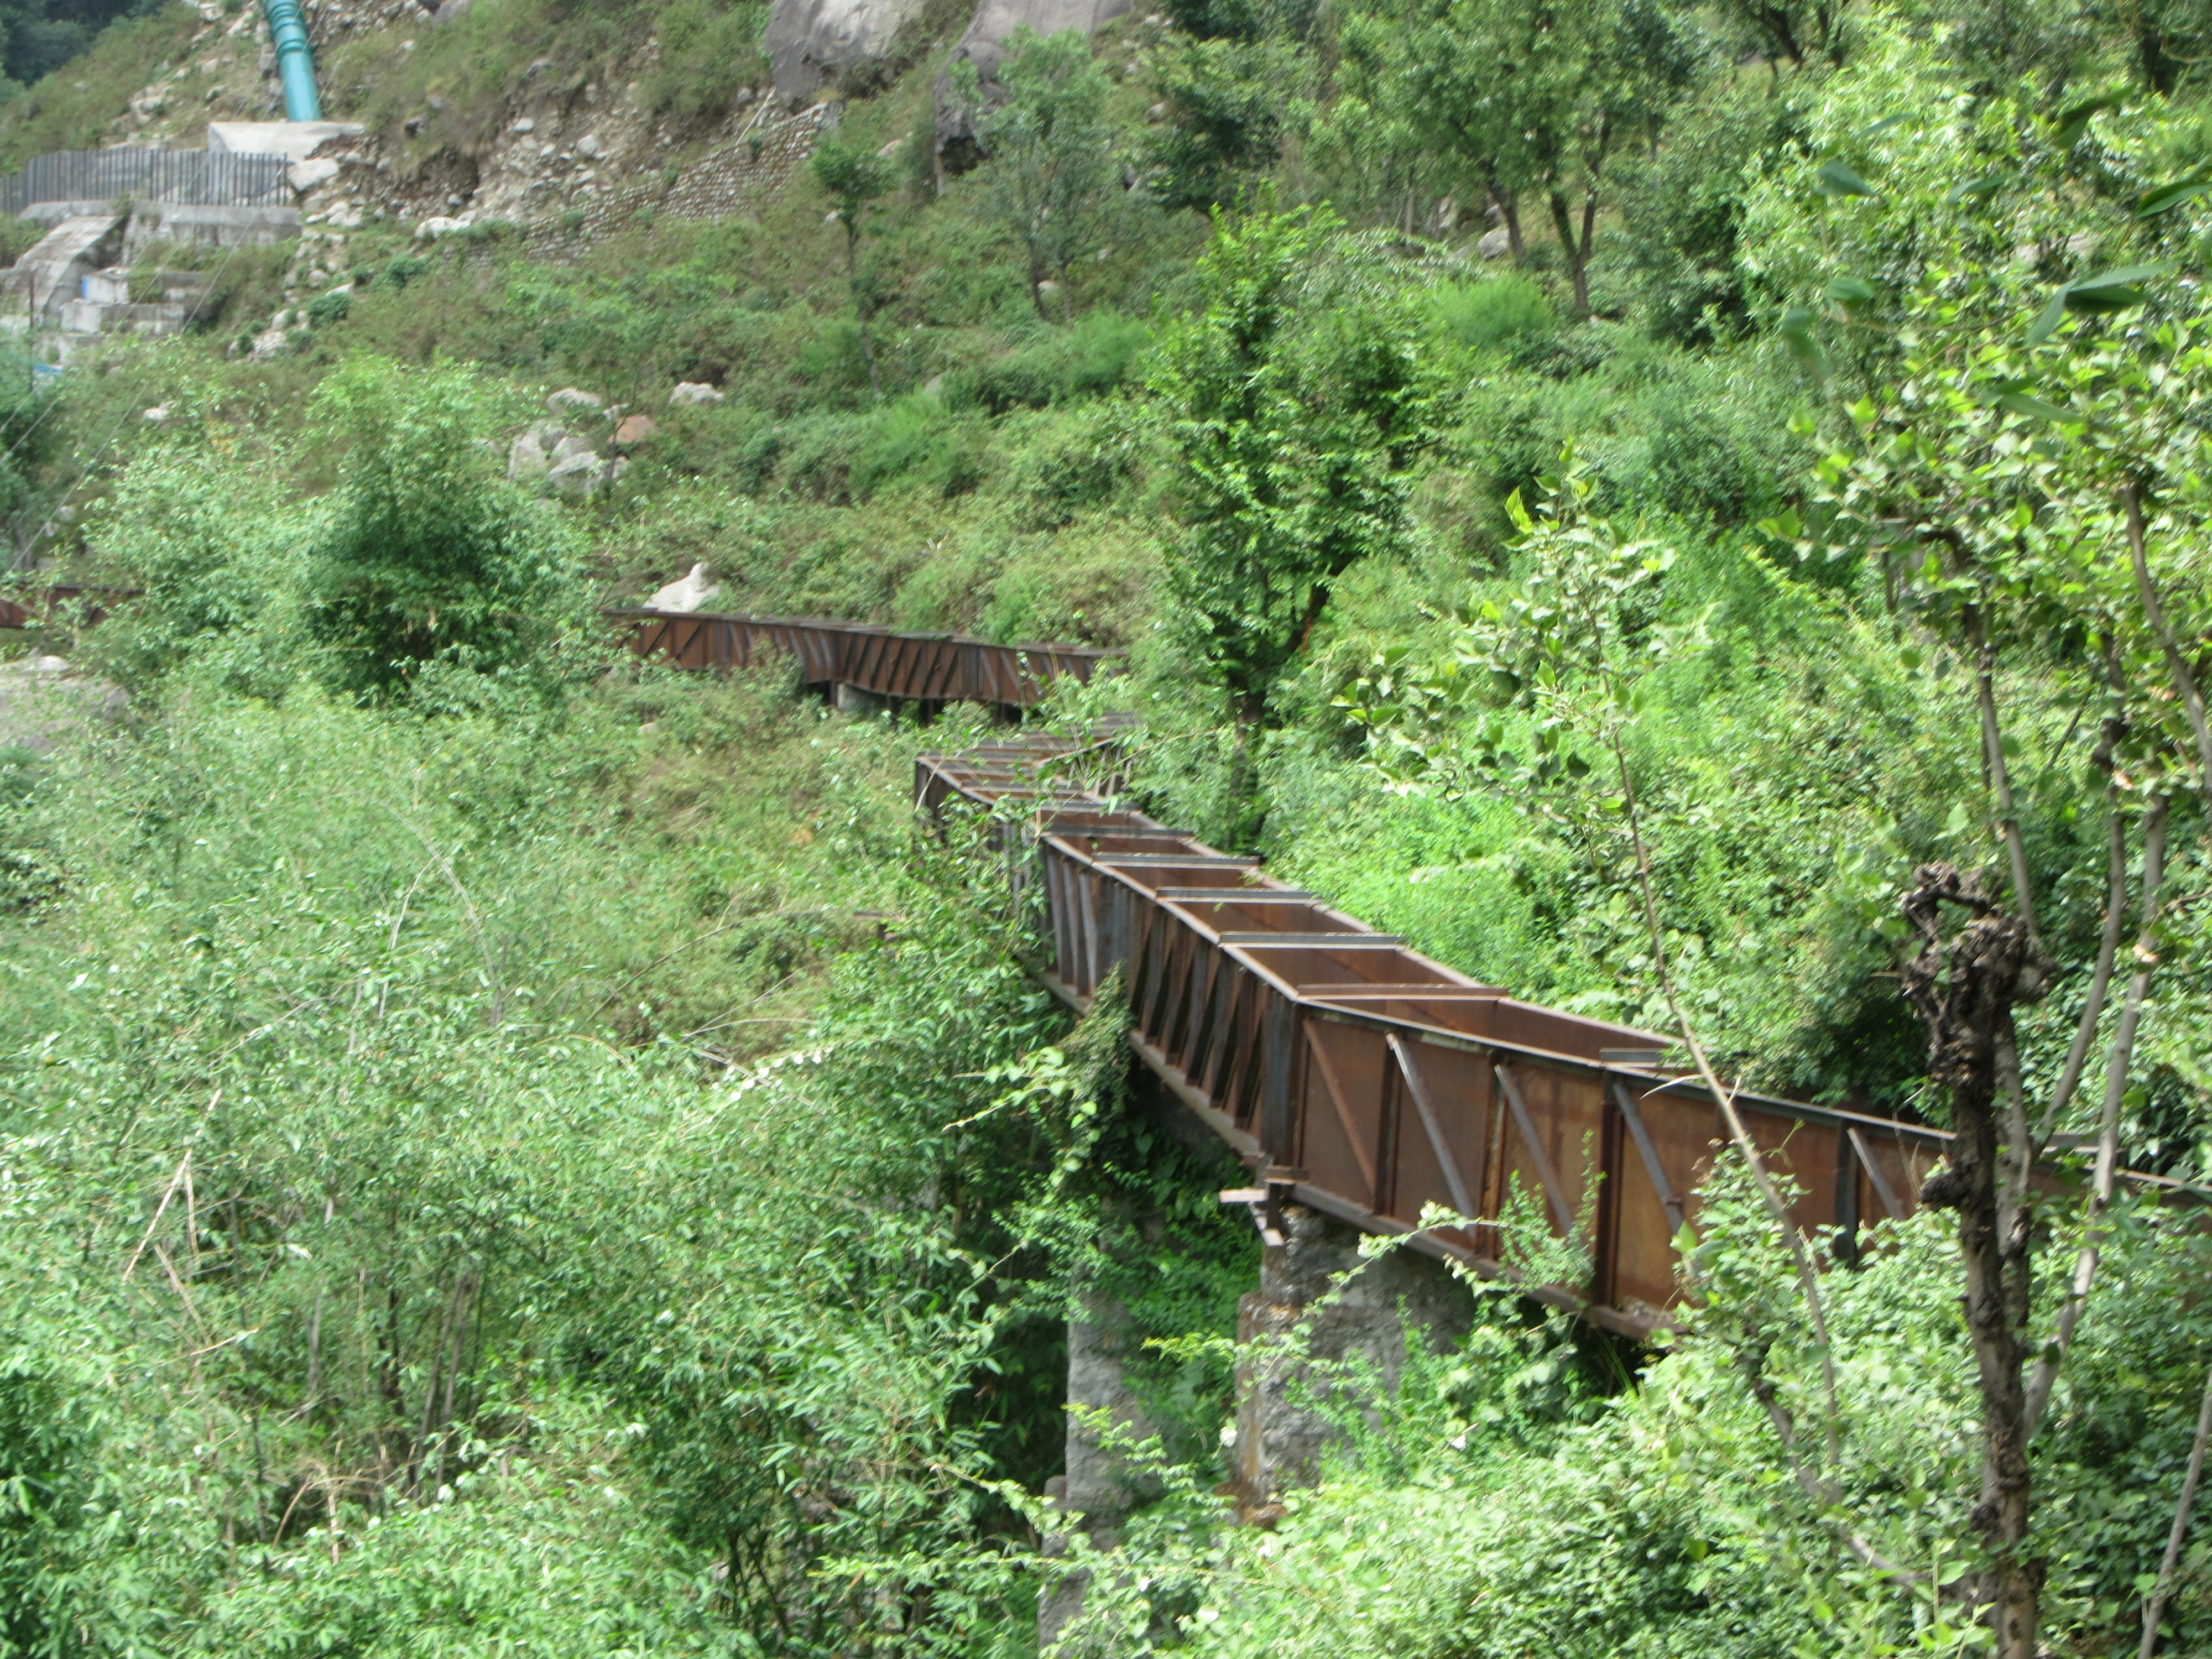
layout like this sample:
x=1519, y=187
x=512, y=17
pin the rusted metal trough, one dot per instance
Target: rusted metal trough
x=1364, y=1080
x=923, y=668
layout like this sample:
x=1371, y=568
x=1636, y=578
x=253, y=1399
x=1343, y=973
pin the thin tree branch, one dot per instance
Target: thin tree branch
x=2117, y=1063
x=1807, y=1280
x=2155, y=1607
x=2185, y=681
x=1986, y=702
x=2093, y=1007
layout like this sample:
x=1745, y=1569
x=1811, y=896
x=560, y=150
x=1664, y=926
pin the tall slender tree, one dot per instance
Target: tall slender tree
x=1052, y=177
x=1531, y=98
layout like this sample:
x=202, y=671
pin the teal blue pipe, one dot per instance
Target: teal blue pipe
x=295, y=60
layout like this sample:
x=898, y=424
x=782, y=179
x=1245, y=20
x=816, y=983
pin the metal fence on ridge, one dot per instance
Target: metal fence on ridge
x=197, y=177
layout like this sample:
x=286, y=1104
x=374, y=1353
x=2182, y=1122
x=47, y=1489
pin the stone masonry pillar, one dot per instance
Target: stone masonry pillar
x=1279, y=1438
x=1100, y=1485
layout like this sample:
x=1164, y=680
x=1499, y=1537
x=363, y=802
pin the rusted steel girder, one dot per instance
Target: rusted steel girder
x=1364, y=1080
x=928, y=668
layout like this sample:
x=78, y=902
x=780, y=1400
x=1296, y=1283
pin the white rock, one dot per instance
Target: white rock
x=155, y=415
x=573, y=398
x=688, y=592
x=431, y=229
x=306, y=175
x=526, y=125
x=589, y=145
x=694, y=391
x=569, y=446
x=1495, y=244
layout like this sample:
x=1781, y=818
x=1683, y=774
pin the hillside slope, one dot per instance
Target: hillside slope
x=508, y=1150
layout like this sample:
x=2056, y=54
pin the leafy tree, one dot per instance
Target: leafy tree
x=1228, y=102
x=1242, y=20
x=1791, y=30
x=1298, y=397
x=855, y=179
x=1528, y=96
x=37, y=37
x=1052, y=176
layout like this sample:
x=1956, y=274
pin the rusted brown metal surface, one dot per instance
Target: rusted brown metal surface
x=28, y=607
x=1364, y=1079
x=928, y=668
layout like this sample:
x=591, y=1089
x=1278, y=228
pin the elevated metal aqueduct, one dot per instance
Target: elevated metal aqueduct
x=1353, y=1075
x=1355, y=1079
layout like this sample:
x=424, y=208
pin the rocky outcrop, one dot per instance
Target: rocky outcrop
x=984, y=44
x=810, y=43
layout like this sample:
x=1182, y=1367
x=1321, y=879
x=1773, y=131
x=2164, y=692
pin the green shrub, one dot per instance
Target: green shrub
x=72, y=108
x=329, y=307
x=1096, y=354
x=708, y=49
x=1492, y=311
x=916, y=435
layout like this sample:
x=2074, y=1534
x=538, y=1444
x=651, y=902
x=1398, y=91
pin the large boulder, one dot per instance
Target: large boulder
x=810, y=43
x=984, y=44
x=43, y=701
x=687, y=592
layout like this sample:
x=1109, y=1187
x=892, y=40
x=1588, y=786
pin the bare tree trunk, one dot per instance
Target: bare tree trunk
x=2000, y=775
x=1577, y=265
x=1966, y=991
x=2155, y=1607
x=1036, y=288
x=1509, y=213
x=861, y=304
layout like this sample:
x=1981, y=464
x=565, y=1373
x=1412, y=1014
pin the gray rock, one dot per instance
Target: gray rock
x=983, y=43
x=526, y=458
x=694, y=391
x=1495, y=244
x=570, y=397
x=578, y=475
x=43, y=700
x=538, y=449
x=808, y=42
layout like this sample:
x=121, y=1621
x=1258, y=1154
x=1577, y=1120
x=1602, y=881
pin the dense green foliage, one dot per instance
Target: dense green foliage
x=505, y=1151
